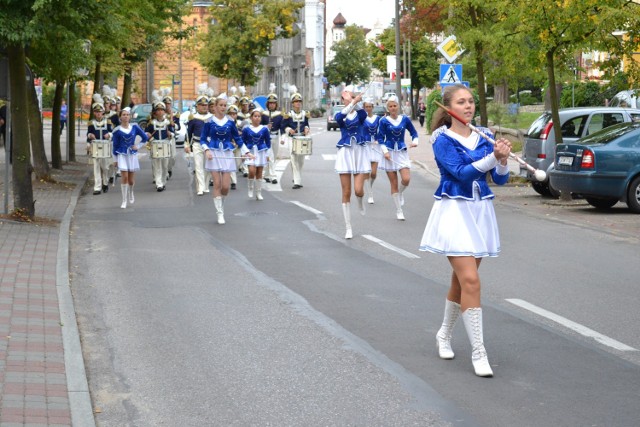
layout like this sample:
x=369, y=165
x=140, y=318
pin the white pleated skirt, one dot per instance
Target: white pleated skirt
x=353, y=159
x=222, y=161
x=459, y=227
x=375, y=153
x=399, y=160
x=260, y=158
x=128, y=162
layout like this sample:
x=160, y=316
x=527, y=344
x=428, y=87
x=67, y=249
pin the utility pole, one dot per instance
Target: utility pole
x=398, y=64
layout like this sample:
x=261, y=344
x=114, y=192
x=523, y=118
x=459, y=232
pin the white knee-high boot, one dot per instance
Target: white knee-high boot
x=396, y=200
x=368, y=188
x=125, y=190
x=472, y=318
x=251, y=184
x=217, y=201
x=443, y=337
x=401, y=188
x=346, y=212
x=361, y=205
x=132, y=198
x=259, y=189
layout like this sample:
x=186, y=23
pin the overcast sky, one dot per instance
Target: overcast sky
x=361, y=12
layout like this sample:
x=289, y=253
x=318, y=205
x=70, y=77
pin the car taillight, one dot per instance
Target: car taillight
x=547, y=130
x=587, y=160
x=542, y=156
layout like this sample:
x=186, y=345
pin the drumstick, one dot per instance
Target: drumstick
x=539, y=174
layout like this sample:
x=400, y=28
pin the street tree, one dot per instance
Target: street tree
x=240, y=36
x=17, y=29
x=556, y=32
x=352, y=61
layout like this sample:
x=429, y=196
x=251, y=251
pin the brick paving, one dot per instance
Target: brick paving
x=33, y=377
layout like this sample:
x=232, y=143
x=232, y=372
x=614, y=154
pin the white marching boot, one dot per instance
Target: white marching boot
x=346, y=212
x=217, y=201
x=259, y=190
x=443, y=337
x=132, y=198
x=472, y=318
x=368, y=189
x=251, y=185
x=361, y=205
x=401, y=188
x=396, y=200
x=125, y=190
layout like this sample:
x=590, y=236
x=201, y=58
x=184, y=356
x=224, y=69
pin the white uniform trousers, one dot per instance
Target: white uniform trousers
x=172, y=156
x=297, y=162
x=198, y=162
x=101, y=172
x=160, y=168
x=273, y=157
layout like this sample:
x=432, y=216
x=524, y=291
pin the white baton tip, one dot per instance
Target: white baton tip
x=540, y=175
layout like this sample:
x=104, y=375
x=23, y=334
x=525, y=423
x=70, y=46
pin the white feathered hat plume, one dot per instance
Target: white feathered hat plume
x=164, y=91
x=293, y=89
x=272, y=87
x=202, y=88
x=156, y=96
x=233, y=90
x=243, y=90
x=223, y=95
x=209, y=92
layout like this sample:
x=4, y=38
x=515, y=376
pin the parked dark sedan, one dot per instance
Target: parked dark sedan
x=604, y=167
x=331, y=117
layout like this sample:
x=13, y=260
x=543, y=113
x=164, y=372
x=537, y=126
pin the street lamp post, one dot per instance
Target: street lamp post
x=397, y=29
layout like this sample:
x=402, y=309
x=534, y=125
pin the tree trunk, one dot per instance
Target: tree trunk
x=126, y=89
x=501, y=94
x=40, y=162
x=482, y=94
x=71, y=122
x=23, y=202
x=97, y=83
x=56, y=159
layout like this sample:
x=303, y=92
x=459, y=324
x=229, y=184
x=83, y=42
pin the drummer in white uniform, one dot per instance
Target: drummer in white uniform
x=296, y=123
x=99, y=145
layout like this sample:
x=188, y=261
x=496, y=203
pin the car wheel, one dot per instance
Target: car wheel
x=602, y=204
x=143, y=124
x=553, y=192
x=328, y=128
x=633, y=196
x=541, y=188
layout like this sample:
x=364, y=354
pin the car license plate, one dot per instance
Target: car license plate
x=565, y=161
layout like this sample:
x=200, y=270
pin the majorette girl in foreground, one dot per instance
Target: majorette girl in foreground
x=396, y=159
x=216, y=139
x=369, y=132
x=125, y=149
x=462, y=224
x=353, y=154
x=257, y=139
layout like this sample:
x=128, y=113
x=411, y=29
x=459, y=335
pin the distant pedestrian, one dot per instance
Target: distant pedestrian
x=63, y=115
x=422, y=110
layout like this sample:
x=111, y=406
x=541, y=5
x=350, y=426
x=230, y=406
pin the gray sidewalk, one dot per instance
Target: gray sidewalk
x=42, y=376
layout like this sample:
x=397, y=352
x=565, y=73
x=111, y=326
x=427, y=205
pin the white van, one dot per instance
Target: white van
x=625, y=99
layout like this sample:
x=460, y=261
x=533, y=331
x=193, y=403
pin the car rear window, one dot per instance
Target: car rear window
x=610, y=133
x=538, y=125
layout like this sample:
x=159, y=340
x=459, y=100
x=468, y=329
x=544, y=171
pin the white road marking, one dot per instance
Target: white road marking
x=582, y=330
x=329, y=157
x=390, y=246
x=306, y=207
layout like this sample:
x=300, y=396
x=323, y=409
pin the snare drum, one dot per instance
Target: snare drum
x=301, y=145
x=101, y=149
x=160, y=149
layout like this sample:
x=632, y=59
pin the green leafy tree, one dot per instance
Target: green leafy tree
x=240, y=36
x=352, y=62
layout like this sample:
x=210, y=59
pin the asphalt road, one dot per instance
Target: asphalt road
x=275, y=319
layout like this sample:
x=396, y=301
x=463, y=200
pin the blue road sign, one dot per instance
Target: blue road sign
x=450, y=73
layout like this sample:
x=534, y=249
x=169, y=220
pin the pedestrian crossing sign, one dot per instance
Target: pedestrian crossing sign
x=450, y=73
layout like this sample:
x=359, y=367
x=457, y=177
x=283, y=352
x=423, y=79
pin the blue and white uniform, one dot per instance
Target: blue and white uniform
x=369, y=132
x=258, y=141
x=125, y=148
x=217, y=135
x=463, y=221
x=391, y=139
x=353, y=152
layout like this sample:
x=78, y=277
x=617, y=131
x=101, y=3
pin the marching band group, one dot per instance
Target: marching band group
x=227, y=135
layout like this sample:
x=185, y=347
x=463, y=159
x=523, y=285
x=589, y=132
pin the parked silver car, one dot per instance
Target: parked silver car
x=540, y=142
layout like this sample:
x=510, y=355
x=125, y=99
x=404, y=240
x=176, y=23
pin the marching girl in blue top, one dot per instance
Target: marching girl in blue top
x=216, y=140
x=257, y=139
x=125, y=150
x=396, y=159
x=462, y=224
x=353, y=154
x=369, y=132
